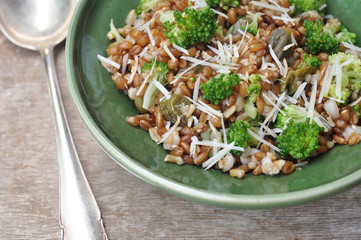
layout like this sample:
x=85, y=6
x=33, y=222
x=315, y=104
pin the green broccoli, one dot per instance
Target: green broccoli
x=306, y=5
x=145, y=5
x=253, y=26
x=254, y=88
x=219, y=88
x=292, y=112
x=335, y=28
x=159, y=73
x=356, y=109
x=319, y=41
x=238, y=133
x=225, y=4
x=257, y=121
x=191, y=26
x=299, y=139
x=167, y=16
x=346, y=36
x=311, y=61
x=351, y=75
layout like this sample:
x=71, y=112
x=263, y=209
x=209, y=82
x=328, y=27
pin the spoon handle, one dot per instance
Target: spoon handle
x=80, y=217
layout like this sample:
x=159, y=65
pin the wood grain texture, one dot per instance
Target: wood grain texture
x=131, y=208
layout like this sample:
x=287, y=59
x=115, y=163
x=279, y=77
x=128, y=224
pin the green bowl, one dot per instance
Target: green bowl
x=103, y=109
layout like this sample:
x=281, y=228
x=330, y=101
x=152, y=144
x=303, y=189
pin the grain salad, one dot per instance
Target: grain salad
x=241, y=86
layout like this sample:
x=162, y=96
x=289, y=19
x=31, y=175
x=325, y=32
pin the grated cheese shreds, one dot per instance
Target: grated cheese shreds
x=311, y=106
x=215, y=144
x=134, y=69
x=161, y=88
x=355, y=102
x=108, y=61
x=250, y=132
x=170, y=54
x=179, y=48
x=145, y=80
x=125, y=62
x=143, y=51
x=144, y=26
x=151, y=38
x=279, y=64
x=196, y=89
x=200, y=107
x=284, y=15
x=213, y=160
x=323, y=6
x=269, y=6
x=180, y=74
x=325, y=83
x=220, y=13
x=351, y=46
x=167, y=134
x=299, y=90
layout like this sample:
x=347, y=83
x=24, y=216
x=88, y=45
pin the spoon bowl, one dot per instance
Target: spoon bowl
x=36, y=24
x=40, y=25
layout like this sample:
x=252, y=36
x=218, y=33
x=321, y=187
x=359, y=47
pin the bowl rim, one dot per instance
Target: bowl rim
x=245, y=201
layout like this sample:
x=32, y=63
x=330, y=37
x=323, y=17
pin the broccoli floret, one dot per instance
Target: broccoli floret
x=319, y=41
x=254, y=88
x=356, y=109
x=346, y=36
x=159, y=74
x=238, y=134
x=292, y=112
x=306, y=5
x=299, y=139
x=345, y=92
x=166, y=16
x=145, y=5
x=191, y=26
x=351, y=73
x=332, y=26
x=225, y=4
x=335, y=28
x=219, y=88
x=253, y=26
x=311, y=61
x=257, y=121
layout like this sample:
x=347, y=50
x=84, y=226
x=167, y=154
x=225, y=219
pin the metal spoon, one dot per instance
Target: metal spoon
x=40, y=25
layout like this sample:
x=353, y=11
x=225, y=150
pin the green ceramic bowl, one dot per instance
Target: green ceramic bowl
x=103, y=109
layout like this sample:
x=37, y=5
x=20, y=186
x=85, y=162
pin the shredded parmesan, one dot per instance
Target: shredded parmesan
x=213, y=160
x=250, y=132
x=183, y=50
x=108, y=61
x=220, y=13
x=167, y=134
x=351, y=46
x=144, y=26
x=143, y=51
x=355, y=102
x=311, y=106
x=325, y=83
x=196, y=89
x=161, y=88
x=215, y=144
x=170, y=54
x=279, y=64
x=299, y=90
x=269, y=6
x=125, y=63
x=151, y=38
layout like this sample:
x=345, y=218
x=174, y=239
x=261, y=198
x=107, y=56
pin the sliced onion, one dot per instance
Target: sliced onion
x=332, y=109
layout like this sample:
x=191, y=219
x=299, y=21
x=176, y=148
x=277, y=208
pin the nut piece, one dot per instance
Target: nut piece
x=174, y=159
x=270, y=167
x=237, y=173
x=226, y=163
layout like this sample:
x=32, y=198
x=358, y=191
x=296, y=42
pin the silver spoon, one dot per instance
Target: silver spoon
x=40, y=25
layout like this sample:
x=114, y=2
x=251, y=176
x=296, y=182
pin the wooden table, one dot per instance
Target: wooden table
x=131, y=208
